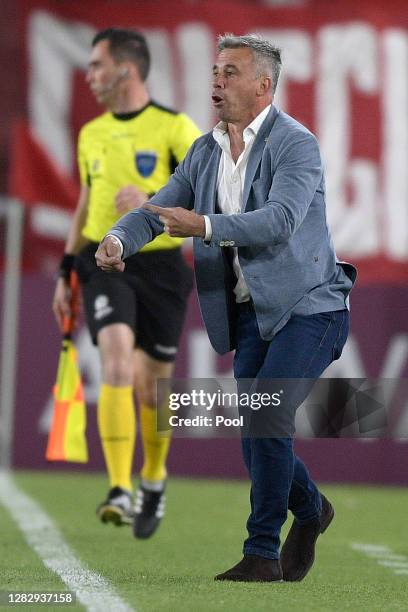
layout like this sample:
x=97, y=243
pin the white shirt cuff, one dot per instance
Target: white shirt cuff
x=208, y=229
x=117, y=240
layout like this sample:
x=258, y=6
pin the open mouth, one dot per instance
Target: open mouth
x=216, y=99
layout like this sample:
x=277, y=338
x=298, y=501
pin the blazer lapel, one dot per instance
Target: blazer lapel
x=213, y=175
x=208, y=181
x=256, y=152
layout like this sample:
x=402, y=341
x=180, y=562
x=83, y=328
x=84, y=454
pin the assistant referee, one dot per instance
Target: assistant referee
x=125, y=155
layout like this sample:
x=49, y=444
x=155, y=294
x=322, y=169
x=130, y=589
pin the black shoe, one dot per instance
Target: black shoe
x=148, y=512
x=298, y=552
x=117, y=508
x=253, y=568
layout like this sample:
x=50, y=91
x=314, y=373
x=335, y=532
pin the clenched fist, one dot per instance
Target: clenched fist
x=109, y=255
x=128, y=198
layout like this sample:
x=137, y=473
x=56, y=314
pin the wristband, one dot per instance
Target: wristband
x=66, y=265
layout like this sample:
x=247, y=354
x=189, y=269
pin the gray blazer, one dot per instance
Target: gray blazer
x=284, y=244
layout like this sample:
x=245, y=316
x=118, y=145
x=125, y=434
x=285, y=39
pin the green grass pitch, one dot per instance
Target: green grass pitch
x=202, y=535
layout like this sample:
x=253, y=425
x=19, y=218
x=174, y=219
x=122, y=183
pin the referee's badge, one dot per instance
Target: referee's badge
x=145, y=162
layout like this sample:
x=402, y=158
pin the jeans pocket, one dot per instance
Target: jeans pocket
x=342, y=334
x=328, y=320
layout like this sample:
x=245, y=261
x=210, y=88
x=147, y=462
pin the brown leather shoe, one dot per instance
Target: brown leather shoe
x=298, y=552
x=253, y=568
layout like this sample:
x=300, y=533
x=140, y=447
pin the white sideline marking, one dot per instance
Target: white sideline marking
x=44, y=537
x=370, y=548
x=384, y=556
x=390, y=556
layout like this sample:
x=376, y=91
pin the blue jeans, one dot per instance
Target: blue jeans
x=279, y=480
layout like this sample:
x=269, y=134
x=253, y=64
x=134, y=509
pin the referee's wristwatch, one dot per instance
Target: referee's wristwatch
x=67, y=264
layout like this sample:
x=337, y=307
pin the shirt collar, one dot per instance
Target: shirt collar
x=255, y=125
x=220, y=130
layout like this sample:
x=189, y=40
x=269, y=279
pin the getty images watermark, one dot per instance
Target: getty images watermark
x=225, y=408
x=308, y=408
x=213, y=401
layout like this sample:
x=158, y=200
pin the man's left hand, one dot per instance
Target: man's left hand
x=179, y=222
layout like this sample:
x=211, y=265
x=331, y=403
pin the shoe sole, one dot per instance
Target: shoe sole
x=143, y=534
x=113, y=514
x=246, y=579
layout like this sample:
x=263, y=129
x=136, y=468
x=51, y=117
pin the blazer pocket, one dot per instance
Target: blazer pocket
x=264, y=294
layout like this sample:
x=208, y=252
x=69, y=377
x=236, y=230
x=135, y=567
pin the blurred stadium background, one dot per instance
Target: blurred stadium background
x=345, y=76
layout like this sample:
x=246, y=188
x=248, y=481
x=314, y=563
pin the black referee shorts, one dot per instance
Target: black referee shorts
x=150, y=296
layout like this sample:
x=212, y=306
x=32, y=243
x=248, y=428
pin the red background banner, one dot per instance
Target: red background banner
x=344, y=76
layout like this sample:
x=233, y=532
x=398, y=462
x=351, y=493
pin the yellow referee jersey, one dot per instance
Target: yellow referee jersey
x=140, y=149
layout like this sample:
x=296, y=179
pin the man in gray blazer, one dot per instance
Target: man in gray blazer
x=252, y=194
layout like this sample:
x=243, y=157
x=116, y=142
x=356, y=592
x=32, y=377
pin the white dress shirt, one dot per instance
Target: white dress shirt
x=230, y=186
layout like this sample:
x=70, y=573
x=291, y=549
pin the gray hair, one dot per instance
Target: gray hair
x=267, y=57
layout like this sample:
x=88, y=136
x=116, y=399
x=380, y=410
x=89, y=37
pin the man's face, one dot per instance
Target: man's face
x=103, y=73
x=234, y=85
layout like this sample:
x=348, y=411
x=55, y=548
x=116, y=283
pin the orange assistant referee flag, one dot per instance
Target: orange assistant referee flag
x=66, y=440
